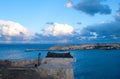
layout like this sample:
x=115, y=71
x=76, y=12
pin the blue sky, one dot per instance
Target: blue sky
x=59, y=21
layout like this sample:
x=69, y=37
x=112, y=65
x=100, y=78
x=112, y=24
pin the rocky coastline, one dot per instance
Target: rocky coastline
x=106, y=46
x=87, y=47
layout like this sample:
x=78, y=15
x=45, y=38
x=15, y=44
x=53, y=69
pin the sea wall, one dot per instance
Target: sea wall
x=55, y=71
x=57, y=68
x=49, y=68
x=58, y=60
x=21, y=63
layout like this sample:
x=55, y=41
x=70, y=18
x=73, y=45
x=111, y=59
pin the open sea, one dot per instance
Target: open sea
x=90, y=64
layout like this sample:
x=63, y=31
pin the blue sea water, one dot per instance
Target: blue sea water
x=90, y=64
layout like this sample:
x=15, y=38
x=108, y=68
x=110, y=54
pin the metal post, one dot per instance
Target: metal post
x=39, y=58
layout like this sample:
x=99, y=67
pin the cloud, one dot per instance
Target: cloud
x=12, y=31
x=107, y=29
x=55, y=33
x=117, y=16
x=69, y=4
x=91, y=7
x=58, y=30
x=103, y=32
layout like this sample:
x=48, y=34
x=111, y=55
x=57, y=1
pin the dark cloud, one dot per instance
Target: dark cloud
x=107, y=32
x=106, y=29
x=79, y=23
x=103, y=32
x=51, y=23
x=92, y=7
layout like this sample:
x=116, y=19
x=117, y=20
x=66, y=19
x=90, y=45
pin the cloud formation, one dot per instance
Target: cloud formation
x=61, y=33
x=69, y=4
x=103, y=29
x=55, y=33
x=103, y=32
x=117, y=16
x=12, y=31
x=58, y=30
x=91, y=7
x=106, y=29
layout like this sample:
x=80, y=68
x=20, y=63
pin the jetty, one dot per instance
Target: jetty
x=53, y=66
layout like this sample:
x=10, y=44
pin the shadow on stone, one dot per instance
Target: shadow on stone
x=59, y=55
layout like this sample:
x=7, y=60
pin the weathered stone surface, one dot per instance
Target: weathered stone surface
x=58, y=60
x=58, y=68
x=50, y=68
x=21, y=63
x=56, y=71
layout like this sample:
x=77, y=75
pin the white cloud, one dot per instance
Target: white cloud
x=69, y=4
x=94, y=35
x=58, y=30
x=10, y=28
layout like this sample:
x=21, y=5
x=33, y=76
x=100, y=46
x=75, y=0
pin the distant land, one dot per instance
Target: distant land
x=87, y=47
x=82, y=47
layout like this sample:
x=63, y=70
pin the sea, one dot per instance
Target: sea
x=90, y=64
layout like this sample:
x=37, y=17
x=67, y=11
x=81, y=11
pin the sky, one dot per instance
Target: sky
x=60, y=21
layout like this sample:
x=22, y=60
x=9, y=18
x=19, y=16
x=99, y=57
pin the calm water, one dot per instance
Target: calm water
x=90, y=64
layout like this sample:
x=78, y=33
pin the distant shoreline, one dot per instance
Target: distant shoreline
x=105, y=46
x=87, y=47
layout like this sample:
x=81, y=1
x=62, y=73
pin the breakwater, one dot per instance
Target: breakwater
x=49, y=68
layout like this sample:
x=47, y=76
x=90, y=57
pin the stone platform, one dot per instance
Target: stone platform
x=49, y=68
